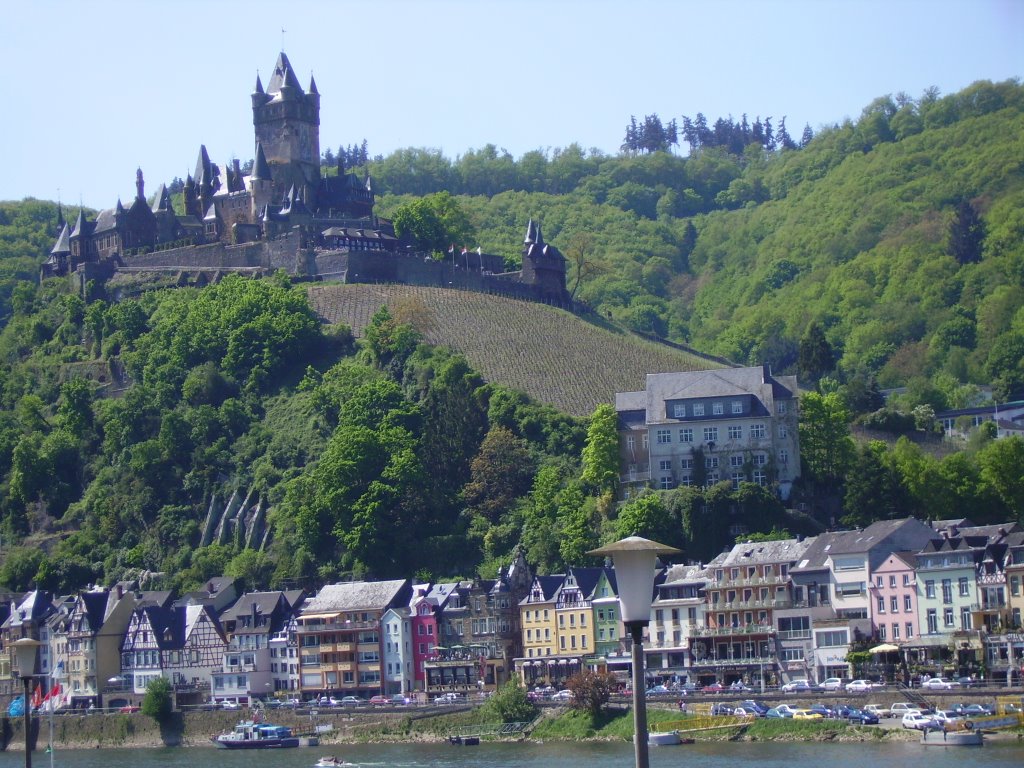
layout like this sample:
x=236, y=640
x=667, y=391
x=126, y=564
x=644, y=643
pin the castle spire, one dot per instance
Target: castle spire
x=283, y=77
x=260, y=168
x=312, y=85
x=140, y=186
x=259, y=84
x=531, y=233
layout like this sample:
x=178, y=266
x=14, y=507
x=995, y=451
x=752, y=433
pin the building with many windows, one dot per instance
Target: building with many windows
x=340, y=637
x=677, y=614
x=704, y=427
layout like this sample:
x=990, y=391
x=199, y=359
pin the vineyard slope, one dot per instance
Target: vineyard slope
x=552, y=355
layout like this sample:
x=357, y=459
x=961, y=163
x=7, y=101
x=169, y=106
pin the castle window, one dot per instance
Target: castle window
x=717, y=409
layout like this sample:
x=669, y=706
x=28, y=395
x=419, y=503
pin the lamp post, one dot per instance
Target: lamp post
x=25, y=652
x=633, y=559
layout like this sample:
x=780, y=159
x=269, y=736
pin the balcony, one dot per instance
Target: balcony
x=766, y=661
x=752, y=581
x=747, y=629
x=237, y=668
x=740, y=605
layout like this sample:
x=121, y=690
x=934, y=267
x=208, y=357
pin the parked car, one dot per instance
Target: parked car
x=832, y=684
x=947, y=717
x=743, y=712
x=379, y=700
x=914, y=720
x=900, y=708
x=806, y=714
x=859, y=686
x=801, y=685
x=347, y=701
x=939, y=683
x=715, y=687
x=399, y=700
x=128, y=709
x=658, y=690
x=227, y=704
x=970, y=682
x=877, y=710
x=721, y=709
x=978, y=710
x=756, y=706
x=823, y=710
x=740, y=687
x=860, y=716
x=778, y=712
x=563, y=695
x=451, y=698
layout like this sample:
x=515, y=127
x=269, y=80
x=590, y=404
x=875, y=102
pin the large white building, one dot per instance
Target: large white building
x=703, y=427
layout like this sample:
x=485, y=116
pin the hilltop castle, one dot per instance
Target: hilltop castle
x=283, y=214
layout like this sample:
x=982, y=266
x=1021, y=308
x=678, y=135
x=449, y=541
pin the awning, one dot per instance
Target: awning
x=333, y=615
x=885, y=648
x=563, y=661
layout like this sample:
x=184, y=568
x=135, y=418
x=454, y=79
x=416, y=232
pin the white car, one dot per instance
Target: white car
x=793, y=686
x=832, y=684
x=939, y=683
x=916, y=721
x=860, y=685
x=564, y=695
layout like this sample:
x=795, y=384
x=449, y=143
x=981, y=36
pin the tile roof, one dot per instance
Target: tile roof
x=355, y=596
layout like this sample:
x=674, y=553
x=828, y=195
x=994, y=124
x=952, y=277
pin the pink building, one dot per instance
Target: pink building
x=894, y=599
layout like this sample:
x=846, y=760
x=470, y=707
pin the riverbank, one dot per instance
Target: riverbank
x=195, y=729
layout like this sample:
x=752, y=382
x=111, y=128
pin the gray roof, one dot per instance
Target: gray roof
x=721, y=382
x=781, y=551
x=63, y=244
x=685, y=574
x=355, y=596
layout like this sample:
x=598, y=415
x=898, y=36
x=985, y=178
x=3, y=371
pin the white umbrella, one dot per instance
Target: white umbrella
x=885, y=648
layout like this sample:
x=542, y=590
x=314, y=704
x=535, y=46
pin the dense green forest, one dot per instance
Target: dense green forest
x=886, y=251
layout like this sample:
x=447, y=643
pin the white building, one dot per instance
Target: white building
x=703, y=427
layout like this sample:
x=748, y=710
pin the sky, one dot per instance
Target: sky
x=94, y=90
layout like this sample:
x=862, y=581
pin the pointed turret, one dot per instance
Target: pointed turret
x=312, y=86
x=63, y=244
x=259, y=85
x=120, y=208
x=162, y=201
x=284, y=77
x=260, y=169
x=140, y=185
x=531, y=233
x=540, y=237
x=79, y=229
x=203, y=174
x=60, y=218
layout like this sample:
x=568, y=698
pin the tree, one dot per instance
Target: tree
x=825, y=443
x=157, y=703
x=591, y=691
x=601, y=452
x=647, y=516
x=966, y=234
x=501, y=472
x=816, y=357
x=434, y=223
x=873, y=488
x=509, y=704
x=1002, y=467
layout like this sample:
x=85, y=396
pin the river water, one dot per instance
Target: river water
x=549, y=755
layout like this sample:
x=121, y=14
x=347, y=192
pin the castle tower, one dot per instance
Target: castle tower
x=261, y=184
x=286, y=120
x=544, y=266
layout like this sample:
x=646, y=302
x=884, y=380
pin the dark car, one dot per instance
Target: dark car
x=721, y=709
x=755, y=706
x=978, y=710
x=823, y=710
x=859, y=716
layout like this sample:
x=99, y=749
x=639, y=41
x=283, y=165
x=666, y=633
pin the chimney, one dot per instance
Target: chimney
x=120, y=590
x=766, y=373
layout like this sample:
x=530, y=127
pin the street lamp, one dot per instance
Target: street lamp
x=633, y=559
x=25, y=652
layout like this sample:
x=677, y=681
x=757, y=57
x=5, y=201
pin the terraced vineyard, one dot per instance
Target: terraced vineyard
x=552, y=355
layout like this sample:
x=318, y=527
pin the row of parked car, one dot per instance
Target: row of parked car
x=753, y=708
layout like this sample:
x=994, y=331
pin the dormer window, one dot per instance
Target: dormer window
x=679, y=411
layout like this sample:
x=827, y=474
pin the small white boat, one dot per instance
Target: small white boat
x=330, y=761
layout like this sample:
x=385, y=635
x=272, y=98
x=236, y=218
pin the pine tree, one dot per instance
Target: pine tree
x=966, y=234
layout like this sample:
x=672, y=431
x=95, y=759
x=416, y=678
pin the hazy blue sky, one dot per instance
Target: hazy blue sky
x=95, y=88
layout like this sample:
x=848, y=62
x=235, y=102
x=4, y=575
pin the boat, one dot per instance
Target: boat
x=666, y=739
x=464, y=741
x=253, y=735
x=939, y=737
x=330, y=761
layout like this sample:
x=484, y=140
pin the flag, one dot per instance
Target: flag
x=53, y=693
x=37, y=697
x=451, y=249
x=479, y=251
x=464, y=251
